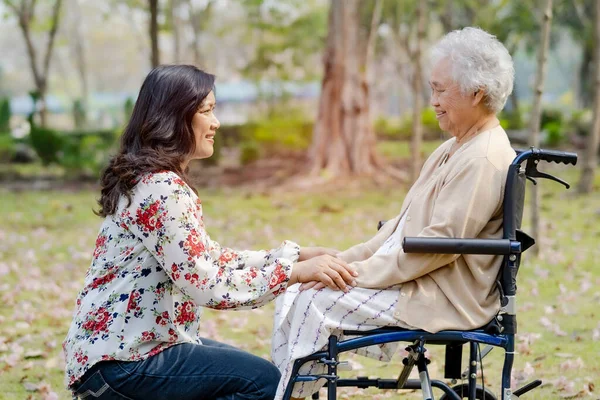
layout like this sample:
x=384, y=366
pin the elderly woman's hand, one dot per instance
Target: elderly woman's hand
x=306, y=253
x=326, y=269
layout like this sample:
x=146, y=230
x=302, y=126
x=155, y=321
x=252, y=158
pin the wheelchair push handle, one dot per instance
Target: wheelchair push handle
x=556, y=156
x=536, y=154
x=460, y=246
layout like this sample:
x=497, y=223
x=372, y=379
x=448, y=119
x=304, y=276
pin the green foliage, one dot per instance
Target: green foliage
x=128, y=108
x=87, y=152
x=7, y=148
x=581, y=121
x=291, y=27
x=5, y=114
x=552, y=124
x=283, y=131
x=47, y=143
x=554, y=134
x=390, y=129
x=511, y=120
x=79, y=114
x=551, y=115
x=249, y=152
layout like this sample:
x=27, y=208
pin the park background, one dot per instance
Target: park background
x=69, y=75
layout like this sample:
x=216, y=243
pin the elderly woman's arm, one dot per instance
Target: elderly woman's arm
x=467, y=202
x=362, y=251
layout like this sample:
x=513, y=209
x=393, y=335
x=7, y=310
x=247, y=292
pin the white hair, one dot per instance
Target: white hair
x=478, y=61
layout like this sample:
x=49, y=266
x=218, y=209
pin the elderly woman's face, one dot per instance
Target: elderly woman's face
x=453, y=110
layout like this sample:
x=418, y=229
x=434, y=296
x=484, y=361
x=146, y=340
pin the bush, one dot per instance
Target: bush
x=581, y=122
x=390, y=129
x=5, y=114
x=551, y=115
x=511, y=120
x=128, y=109
x=249, y=152
x=281, y=132
x=79, y=115
x=87, y=152
x=47, y=143
x=554, y=134
x=431, y=127
x=7, y=148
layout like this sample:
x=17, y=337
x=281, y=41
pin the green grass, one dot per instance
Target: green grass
x=46, y=239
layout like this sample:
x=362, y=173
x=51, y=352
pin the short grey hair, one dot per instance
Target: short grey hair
x=478, y=61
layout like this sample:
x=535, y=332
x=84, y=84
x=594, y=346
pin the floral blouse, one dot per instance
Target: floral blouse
x=153, y=269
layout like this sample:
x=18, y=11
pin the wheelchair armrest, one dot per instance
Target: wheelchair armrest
x=460, y=246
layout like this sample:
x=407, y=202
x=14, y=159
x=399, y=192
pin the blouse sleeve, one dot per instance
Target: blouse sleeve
x=166, y=216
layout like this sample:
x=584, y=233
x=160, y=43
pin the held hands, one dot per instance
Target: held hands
x=323, y=270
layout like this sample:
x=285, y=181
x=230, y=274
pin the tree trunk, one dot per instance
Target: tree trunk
x=343, y=139
x=153, y=30
x=447, y=17
x=25, y=13
x=80, y=55
x=590, y=161
x=536, y=112
x=417, y=86
x=175, y=22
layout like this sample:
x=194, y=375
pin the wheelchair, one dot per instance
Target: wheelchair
x=500, y=332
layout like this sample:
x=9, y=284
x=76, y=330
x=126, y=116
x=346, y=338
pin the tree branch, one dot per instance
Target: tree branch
x=51, y=36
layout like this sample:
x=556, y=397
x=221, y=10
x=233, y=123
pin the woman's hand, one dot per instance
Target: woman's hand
x=306, y=253
x=326, y=269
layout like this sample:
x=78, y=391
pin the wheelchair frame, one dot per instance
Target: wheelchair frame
x=500, y=332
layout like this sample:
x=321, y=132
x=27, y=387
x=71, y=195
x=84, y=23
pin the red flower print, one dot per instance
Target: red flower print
x=98, y=321
x=100, y=246
x=193, y=246
x=278, y=277
x=148, y=336
x=175, y=270
x=150, y=219
x=103, y=280
x=192, y=278
x=185, y=313
x=226, y=257
x=162, y=319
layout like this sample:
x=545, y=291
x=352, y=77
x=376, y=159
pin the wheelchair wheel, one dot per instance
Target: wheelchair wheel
x=463, y=391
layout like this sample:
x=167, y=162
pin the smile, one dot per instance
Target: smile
x=440, y=114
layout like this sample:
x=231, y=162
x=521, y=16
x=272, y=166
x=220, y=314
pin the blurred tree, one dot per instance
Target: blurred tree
x=536, y=112
x=590, y=161
x=343, y=140
x=285, y=40
x=199, y=17
x=153, y=31
x=78, y=49
x=577, y=17
x=173, y=24
x=24, y=11
x=408, y=22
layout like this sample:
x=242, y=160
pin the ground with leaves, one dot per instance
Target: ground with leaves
x=46, y=239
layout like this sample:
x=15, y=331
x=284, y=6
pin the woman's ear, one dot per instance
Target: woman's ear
x=478, y=97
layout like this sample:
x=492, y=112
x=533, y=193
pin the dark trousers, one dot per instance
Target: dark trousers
x=185, y=371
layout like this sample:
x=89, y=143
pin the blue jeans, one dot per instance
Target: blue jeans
x=184, y=372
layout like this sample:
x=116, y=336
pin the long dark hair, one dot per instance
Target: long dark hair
x=159, y=135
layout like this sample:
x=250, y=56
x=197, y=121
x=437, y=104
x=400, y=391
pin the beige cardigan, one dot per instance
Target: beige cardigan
x=463, y=199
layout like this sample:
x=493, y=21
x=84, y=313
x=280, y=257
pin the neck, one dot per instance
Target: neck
x=482, y=124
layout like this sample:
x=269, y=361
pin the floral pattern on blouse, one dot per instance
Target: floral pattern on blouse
x=153, y=269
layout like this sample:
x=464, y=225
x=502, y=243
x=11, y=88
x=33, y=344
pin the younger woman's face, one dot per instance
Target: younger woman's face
x=205, y=125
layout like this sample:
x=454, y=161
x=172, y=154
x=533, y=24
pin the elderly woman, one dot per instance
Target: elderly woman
x=458, y=194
